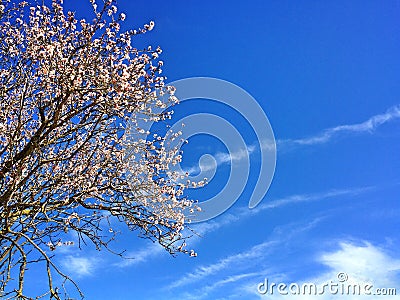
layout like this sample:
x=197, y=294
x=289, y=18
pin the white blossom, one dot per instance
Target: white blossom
x=67, y=166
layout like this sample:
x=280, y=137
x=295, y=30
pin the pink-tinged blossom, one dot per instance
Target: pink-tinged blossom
x=68, y=90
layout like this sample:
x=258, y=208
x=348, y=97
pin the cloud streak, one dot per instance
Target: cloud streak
x=239, y=270
x=327, y=135
x=256, y=252
x=244, y=212
x=223, y=158
x=247, y=258
x=206, y=290
x=133, y=258
x=294, y=199
x=154, y=250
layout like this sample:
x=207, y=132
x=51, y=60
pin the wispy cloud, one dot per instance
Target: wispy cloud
x=154, y=250
x=247, y=258
x=79, y=265
x=328, y=134
x=132, y=258
x=207, y=289
x=294, y=199
x=244, y=212
x=215, y=224
x=229, y=279
x=238, y=270
x=222, y=158
x=255, y=252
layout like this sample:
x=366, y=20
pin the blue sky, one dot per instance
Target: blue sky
x=327, y=76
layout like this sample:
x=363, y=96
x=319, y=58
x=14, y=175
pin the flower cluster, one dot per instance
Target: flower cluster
x=68, y=89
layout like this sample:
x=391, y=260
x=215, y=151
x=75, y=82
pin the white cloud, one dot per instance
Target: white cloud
x=153, y=250
x=361, y=263
x=367, y=126
x=293, y=199
x=255, y=252
x=245, y=212
x=222, y=158
x=229, y=279
x=327, y=135
x=247, y=258
x=140, y=256
x=366, y=262
x=79, y=265
x=215, y=224
x=207, y=289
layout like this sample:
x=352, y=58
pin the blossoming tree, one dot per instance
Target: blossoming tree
x=68, y=89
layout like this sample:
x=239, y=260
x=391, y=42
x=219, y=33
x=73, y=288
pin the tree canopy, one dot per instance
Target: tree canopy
x=68, y=90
